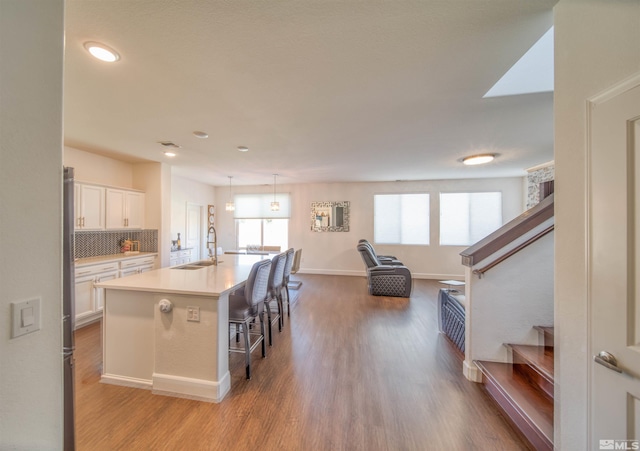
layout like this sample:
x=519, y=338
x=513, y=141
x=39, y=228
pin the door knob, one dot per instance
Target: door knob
x=607, y=360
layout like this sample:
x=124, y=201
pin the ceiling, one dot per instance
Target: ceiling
x=318, y=90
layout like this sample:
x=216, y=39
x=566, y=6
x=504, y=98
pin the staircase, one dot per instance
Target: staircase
x=524, y=388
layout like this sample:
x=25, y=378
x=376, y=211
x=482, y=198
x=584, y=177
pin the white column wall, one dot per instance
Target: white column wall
x=596, y=46
x=31, y=51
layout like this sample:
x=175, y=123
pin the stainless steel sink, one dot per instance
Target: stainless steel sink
x=195, y=265
x=202, y=263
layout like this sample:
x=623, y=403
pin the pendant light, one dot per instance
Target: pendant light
x=230, y=205
x=275, y=205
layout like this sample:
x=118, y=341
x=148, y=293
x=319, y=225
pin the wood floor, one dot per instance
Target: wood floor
x=349, y=371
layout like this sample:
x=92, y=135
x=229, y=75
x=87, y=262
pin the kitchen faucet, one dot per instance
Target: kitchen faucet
x=214, y=257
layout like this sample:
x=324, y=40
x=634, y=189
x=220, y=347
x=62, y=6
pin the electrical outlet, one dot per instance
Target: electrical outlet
x=193, y=314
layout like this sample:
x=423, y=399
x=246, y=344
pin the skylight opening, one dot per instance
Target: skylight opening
x=533, y=72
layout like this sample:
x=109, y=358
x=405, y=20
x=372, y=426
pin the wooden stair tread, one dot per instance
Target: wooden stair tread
x=545, y=329
x=547, y=333
x=540, y=358
x=530, y=403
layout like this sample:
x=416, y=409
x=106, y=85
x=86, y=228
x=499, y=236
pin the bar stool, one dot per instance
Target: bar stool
x=274, y=292
x=287, y=274
x=245, y=305
x=295, y=284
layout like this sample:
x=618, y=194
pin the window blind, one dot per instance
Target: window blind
x=466, y=218
x=257, y=206
x=401, y=218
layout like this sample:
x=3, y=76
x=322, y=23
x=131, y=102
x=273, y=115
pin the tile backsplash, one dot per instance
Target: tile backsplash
x=93, y=244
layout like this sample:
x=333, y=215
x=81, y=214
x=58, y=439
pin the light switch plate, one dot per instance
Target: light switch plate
x=193, y=314
x=25, y=317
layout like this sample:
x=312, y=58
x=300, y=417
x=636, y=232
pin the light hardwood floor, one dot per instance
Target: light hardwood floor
x=349, y=371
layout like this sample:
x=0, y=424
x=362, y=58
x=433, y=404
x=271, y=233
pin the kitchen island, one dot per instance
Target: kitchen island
x=182, y=352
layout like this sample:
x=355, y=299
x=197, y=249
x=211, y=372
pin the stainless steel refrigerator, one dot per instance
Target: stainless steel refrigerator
x=68, y=316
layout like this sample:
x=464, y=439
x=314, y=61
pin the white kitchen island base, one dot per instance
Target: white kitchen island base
x=165, y=352
x=170, y=353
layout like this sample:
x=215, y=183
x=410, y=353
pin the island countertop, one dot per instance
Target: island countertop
x=207, y=280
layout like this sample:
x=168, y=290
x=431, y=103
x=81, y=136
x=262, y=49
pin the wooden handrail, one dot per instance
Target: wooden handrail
x=515, y=250
x=509, y=232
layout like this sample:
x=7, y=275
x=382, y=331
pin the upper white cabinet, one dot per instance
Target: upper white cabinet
x=89, y=203
x=125, y=209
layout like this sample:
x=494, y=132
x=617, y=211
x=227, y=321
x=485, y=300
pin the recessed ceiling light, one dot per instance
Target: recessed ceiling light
x=170, y=154
x=243, y=149
x=201, y=135
x=479, y=159
x=102, y=52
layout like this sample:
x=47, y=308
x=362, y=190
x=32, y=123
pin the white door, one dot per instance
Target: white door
x=614, y=266
x=193, y=230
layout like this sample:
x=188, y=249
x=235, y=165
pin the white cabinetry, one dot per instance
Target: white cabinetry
x=89, y=207
x=180, y=257
x=88, y=298
x=137, y=265
x=125, y=209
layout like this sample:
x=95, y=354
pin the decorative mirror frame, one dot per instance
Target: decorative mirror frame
x=316, y=206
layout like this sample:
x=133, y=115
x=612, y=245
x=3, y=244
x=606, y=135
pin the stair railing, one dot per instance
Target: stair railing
x=497, y=261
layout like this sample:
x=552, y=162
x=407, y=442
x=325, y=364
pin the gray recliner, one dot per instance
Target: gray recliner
x=383, y=259
x=392, y=279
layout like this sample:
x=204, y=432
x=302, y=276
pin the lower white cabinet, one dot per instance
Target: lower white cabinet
x=89, y=300
x=180, y=257
x=137, y=265
x=104, y=277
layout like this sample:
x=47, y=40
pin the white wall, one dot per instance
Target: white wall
x=155, y=180
x=183, y=191
x=509, y=300
x=92, y=168
x=31, y=221
x=335, y=253
x=596, y=46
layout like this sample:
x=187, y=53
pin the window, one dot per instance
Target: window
x=257, y=224
x=263, y=232
x=401, y=218
x=466, y=218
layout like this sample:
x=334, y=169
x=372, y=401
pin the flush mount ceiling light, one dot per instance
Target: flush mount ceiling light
x=201, y=135
x=170, y=154
x=275, y=205
x=102, y=52
x=479, y=159
x=243, y=149
x=230, y=205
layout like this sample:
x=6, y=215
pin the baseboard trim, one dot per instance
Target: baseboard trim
x=333, y=272
x=345, y=272
x=124, y=381
x=189, y=388
x=471, y=372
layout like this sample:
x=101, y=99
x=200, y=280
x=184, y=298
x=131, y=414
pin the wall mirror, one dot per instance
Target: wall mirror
x=330, y=216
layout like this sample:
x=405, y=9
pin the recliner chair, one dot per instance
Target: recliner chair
x=372, y=259
x=385, y=279
x=382, y=258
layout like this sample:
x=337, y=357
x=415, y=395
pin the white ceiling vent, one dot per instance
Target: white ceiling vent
x=169, y=144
